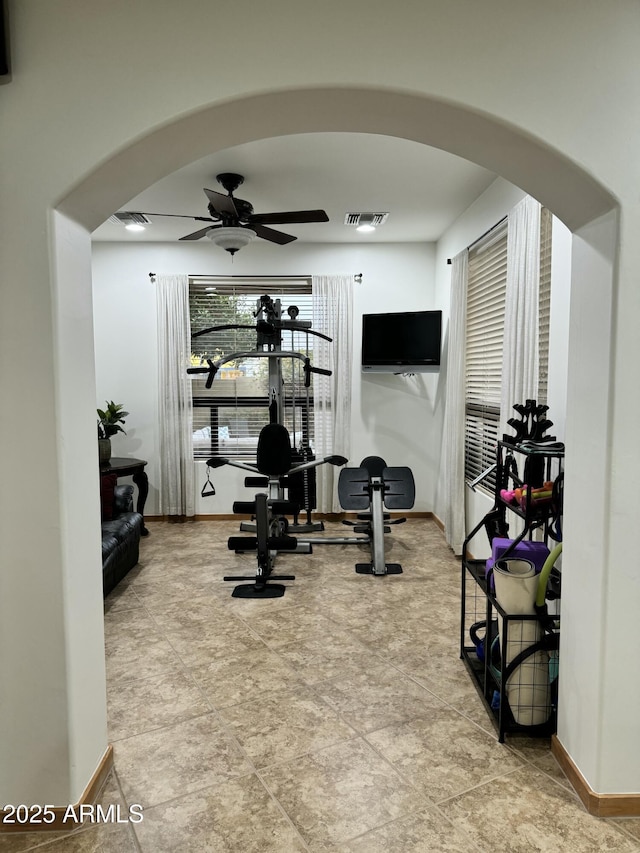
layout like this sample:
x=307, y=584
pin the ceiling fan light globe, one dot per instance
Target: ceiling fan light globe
x=231, y=239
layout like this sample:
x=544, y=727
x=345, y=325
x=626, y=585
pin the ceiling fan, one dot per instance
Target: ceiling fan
x=234, y=222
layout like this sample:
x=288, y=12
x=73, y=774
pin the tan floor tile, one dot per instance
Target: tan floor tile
x=170, y=589
x=242, y=677
x=337, y=794
x=238, y=815
x=133, y=659
x=103, y=838
x=140, y=706
x=20, y=842
x=170, y=762
x=631, y=826
x=337, y=656
x=443, y=754
x=379, y=697
x=284, y=725
x=425, y=832
x=537, y=750
x=292, y=625
x=123, y=622
x=121, y=598
x=199, y=645
x=437, y=666
x=203, y=611
x=526, y=811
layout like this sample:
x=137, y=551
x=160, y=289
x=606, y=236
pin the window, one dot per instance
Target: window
x=228, y=417
x=486, y=293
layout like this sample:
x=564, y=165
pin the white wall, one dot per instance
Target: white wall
x=395, y=277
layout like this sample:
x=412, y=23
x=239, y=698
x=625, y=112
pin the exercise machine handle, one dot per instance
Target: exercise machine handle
x=308, y=370
x=336, y=460
x=211, y=370
x=217, y=461
x=220, y=329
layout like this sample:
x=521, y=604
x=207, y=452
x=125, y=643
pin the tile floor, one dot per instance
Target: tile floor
x=337, y=718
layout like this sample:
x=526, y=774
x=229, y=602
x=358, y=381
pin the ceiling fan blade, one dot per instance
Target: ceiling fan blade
x=288, y=217
x=197, y=234
x=271, y=235
x=221, y=203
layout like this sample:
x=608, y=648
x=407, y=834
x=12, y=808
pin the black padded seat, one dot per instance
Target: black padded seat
x=375, y=465
x=399, y=488
x=273, y=456
x=353, y=488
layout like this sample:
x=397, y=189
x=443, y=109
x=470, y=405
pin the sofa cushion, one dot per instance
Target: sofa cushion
x=120, y=528
x=120, y=543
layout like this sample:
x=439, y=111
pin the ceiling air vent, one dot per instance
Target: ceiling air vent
x=126, y=217
x=365, y=219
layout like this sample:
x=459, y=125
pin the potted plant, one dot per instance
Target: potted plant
x=109, y=423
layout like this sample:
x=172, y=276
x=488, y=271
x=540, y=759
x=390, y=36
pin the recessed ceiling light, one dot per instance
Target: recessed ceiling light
x=134, y=226
x=365, y=229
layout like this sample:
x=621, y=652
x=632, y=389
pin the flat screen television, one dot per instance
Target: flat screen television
x=404, y=342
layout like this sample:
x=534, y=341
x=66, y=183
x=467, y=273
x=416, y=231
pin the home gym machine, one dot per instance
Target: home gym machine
x=269, y=327
x=279, y=465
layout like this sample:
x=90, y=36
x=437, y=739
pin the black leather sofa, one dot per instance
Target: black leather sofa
x=121, y=531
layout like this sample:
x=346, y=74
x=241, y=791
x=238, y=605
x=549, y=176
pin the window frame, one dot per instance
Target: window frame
x=247, y=287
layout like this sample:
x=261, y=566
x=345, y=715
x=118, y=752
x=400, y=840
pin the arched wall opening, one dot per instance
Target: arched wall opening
x=565, y=188
x=573, y=195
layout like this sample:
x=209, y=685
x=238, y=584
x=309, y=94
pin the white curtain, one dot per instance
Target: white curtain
x=454, y=417
x=176, y=486
x=332, y=316
x=520, y=352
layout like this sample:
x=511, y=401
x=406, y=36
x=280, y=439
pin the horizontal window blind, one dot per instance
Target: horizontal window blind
x=544, y=304
x=486, y=295
x=486, y=291
x=228, y=417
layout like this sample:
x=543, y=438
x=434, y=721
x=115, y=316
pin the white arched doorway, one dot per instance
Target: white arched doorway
x=565, y=188
x=585, y=206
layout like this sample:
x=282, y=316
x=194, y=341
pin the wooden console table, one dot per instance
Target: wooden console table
x=123, y=466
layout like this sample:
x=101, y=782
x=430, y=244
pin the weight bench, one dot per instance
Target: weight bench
x=273, y=462
x=372, y=487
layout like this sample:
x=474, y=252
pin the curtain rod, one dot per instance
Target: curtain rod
x=482, y=236
x=357, y=277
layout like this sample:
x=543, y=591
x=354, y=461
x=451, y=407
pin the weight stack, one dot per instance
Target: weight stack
x=302, y=486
